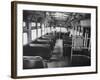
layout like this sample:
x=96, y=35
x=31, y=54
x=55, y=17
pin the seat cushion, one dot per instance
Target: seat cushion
x=32, y=62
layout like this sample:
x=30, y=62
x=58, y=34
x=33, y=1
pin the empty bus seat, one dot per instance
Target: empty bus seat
x=51, y=39
x=42, y=50
x=48, y=38
x=80, y=51
x=67, y=37
x=67, y=40
x=80, y=60
x=67, y=50
x=39, y=41
x=51, y=43
x=33, y=62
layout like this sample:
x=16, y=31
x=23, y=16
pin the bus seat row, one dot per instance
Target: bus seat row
x=67, y=46
x=33, y=62
x=85, y=52
x=80, y=60
x=40, y=47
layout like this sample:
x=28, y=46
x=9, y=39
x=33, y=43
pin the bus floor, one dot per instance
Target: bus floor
x=57, y=59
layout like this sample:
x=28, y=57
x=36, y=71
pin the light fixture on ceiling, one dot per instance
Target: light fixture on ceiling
x=58, y=14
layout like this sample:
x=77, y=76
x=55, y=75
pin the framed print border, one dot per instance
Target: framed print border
x=14, y=37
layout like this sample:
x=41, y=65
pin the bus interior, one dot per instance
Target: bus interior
x=53, y=39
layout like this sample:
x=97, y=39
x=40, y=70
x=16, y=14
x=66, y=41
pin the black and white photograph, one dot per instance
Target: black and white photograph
x=56, y=39
x=53, y=39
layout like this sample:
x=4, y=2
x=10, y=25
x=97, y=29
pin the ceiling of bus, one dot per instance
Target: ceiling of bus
x=58, y=17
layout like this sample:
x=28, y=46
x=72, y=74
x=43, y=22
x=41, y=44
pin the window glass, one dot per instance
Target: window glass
x=33, y=34
x=57, y=29
x=33, y=24
x=25, y=39
x=38, y=24
x=39, y=32
x=24, y=24
x=64, y=30
x=48, y=29
x=43, y=29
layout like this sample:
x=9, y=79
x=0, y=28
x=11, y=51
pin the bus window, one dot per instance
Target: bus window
x=25, y=39
x=39, y=32
x=43, y=29
x=24, y=24
x=33, y=34
x=33, y=24
x=38, y=24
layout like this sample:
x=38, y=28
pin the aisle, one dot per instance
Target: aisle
x=57, y=59
x=58, y=49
